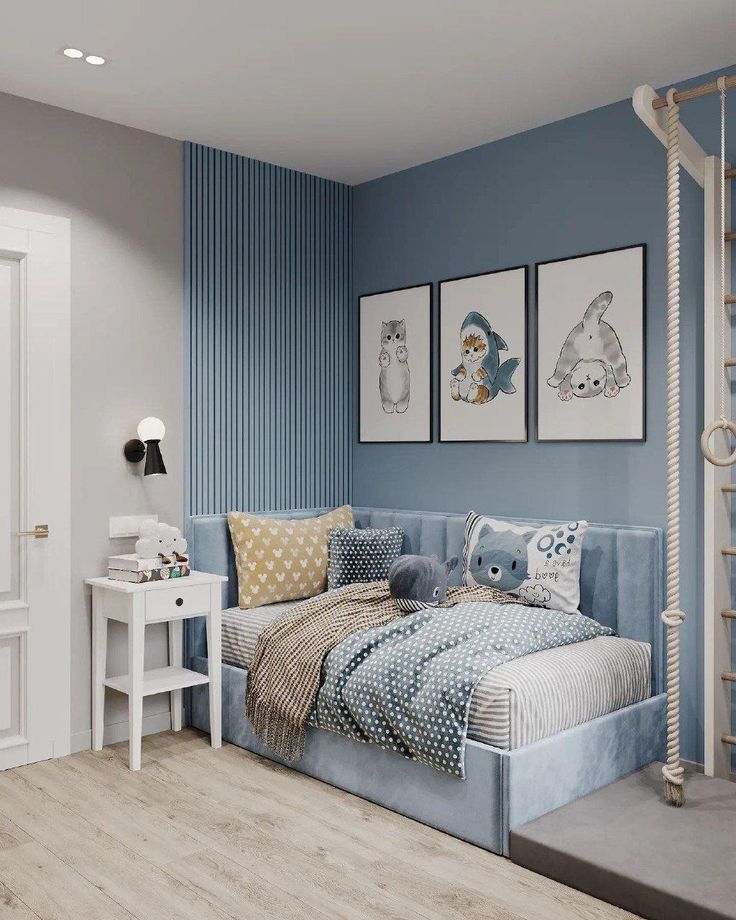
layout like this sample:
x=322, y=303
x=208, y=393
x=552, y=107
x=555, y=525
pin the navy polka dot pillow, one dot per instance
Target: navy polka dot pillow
x=361, y=555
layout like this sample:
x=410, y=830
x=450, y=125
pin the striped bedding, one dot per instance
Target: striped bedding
x=518, y=702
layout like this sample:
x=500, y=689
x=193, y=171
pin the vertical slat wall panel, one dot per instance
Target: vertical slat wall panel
x=269, y=335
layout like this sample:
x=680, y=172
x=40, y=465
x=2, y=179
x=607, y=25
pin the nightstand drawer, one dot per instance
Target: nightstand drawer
x=177, y=601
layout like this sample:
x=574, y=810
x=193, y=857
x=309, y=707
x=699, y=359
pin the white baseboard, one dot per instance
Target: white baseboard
x=118, y=731
x=698, y=768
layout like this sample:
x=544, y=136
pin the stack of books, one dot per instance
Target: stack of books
x=132, y=568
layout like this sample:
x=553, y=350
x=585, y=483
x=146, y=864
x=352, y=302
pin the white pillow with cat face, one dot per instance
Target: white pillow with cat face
x=539, y=564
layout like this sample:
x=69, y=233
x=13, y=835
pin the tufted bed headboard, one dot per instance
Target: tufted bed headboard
x=621, y=576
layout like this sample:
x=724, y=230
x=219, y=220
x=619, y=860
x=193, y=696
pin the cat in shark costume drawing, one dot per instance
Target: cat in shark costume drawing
x=480, y=376
x=591, y=360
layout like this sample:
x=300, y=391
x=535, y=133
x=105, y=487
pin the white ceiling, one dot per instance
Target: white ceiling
x=353, y=90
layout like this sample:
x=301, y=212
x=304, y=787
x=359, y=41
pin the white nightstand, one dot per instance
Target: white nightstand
x=172, y=601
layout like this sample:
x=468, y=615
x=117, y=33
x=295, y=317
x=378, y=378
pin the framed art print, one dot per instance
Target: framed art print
x=483, y=360
x=591, y=381
x=395, y=379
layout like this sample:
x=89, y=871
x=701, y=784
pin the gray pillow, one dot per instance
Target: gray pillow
x=357, y=555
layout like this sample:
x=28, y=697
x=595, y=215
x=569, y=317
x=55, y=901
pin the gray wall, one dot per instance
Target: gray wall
x=122, y=190
x=588, y=183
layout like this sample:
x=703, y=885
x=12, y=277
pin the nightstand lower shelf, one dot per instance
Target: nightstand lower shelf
x=159, y=680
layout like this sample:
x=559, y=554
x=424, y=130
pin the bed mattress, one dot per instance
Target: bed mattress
x=518, y=702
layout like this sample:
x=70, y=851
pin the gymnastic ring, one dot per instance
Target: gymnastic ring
x=705, y=442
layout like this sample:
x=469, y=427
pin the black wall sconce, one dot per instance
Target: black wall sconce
x=151, y=432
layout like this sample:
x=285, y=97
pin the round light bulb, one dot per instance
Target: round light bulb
x=151, y=429
x=73, y=53
x=95, y=59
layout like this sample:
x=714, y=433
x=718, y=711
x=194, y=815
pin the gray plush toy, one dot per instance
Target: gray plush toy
x=419, y=581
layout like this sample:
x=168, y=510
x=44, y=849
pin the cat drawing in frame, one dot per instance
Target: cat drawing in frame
x=591, y=361
x=394, y=379
x=480, y=376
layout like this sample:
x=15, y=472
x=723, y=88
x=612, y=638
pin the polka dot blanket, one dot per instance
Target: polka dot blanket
x=406, y=685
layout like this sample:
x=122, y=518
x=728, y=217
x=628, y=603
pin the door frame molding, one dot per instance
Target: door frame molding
x=41, y=245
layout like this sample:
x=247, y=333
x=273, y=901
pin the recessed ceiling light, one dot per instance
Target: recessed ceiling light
x=95, y=59
x=73, y=53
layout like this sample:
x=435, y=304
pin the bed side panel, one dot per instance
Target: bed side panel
x=469, y=809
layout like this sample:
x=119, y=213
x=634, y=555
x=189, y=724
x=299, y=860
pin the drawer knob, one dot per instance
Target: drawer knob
x=179, y=601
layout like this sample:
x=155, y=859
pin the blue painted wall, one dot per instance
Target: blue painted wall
x=268, y=317
x=588, y=183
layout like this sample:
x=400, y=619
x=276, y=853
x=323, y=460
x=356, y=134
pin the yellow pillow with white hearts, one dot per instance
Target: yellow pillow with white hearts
x=282, y=560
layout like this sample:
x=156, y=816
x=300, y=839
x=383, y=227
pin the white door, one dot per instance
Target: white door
x=34, y=487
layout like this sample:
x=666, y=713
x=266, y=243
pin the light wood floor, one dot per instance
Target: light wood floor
x=206, y=834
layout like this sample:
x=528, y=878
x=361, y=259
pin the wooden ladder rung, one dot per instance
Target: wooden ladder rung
x=730, y=235
x=728, y=550
x=730, y=173
x=728, y=614
x=729, y=362
x=728, y=739
x=728, y=675
x=729, y=298
x=729, y=487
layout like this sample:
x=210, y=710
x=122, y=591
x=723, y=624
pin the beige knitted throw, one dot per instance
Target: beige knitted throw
x=284, y=678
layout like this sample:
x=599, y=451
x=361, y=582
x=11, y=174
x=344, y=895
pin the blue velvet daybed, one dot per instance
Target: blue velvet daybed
x=621, y=587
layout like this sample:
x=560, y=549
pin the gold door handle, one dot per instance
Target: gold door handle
x=40, y=532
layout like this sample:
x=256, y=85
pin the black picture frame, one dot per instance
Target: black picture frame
x=527, y=353
x=430, y=357
x=583, y=255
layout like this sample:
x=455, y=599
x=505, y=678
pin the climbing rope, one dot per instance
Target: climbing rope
x=672, y=617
